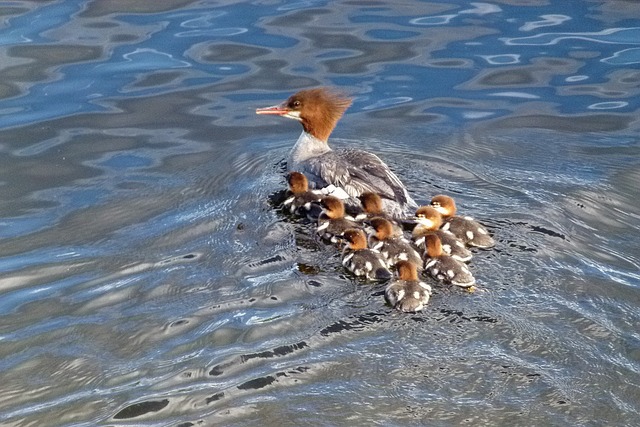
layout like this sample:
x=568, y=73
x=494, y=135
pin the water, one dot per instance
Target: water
x=145, y=279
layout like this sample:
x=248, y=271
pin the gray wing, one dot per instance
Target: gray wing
x=357, y=172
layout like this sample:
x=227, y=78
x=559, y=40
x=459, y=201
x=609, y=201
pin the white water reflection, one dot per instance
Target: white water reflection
x=503, y=59
x=384, y=103
x=572, y=79
x=482, y=9
x=475, y=115
x=624, y=57
x=213, y=32
x=608, y=105
x=547, y=21
x=609, y=35
x=433, y=20
x=521, y=95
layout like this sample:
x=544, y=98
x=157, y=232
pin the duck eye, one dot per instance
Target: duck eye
x=296, y=104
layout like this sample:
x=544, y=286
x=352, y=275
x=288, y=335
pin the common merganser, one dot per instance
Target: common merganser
x=407, y=293
x=360, y=260
x=465, y=228
x=301, y=200
x=445, y=268
x=355, y=171
x=393, y=248
x=372, y=207
x=429, y=222
x=332, y=222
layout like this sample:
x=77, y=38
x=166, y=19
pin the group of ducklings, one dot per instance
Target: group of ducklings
x=374, y=243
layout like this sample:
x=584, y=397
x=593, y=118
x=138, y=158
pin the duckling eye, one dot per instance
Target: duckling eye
x=296, y=104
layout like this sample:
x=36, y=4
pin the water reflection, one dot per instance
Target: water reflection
x=610, y=35
x=546, y=21
x=147, y=278
x=624, y=57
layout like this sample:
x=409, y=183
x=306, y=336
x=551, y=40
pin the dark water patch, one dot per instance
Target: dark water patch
x=297, y=18
x=123, y=38
x=99, y=25
x=215, y=397
x=140, y=409
x=359, y=323
x=179, y=323
x=508, y=78
x=314, y=283
x=279, y=351
x=220, y=52
x=259, y=383
x=180, y=259
x=337, y=327
x=548, y=232
x=276, y=352
x=266, y=262
x=159, y=79
x=450, y=63
x=47, y=56
x=123, y=6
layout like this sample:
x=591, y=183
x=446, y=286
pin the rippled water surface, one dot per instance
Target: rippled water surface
x=146, y=279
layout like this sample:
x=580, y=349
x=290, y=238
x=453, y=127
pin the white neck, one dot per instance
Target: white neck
x=306, y=147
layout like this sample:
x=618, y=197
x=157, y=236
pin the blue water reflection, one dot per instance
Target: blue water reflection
x=608, y=36
x=83, y=87
x=624, y=57
x=28, y=27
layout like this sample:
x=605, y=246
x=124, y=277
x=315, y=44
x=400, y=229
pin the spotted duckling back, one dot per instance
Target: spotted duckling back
x=302, y=201
x=360, y=260
x=372, y=207
x=444, y=267
x=429, y=222
x=465, y=228
x=332, y=222
x=407, y=293
x=392, y=247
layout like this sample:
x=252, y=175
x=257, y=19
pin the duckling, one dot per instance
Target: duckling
x=333, y=222
x=465, y=228
x=392, y=248
x=407, y=293
x=444, y=267
x=301, y=200
x=429, y=221
x=372, y=207
x=360, y=260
